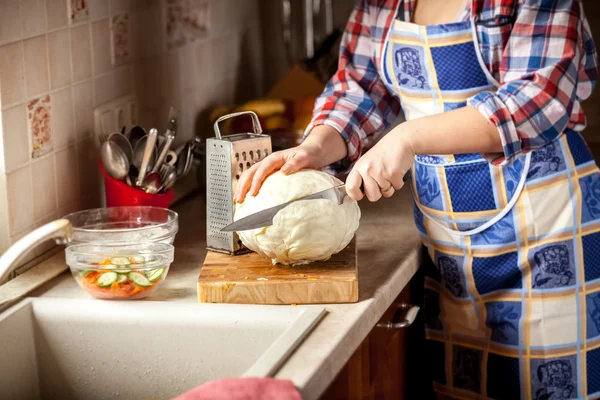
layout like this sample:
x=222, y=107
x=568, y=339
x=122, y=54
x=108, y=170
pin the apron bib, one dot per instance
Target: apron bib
x=508, y=311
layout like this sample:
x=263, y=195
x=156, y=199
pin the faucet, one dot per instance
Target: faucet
x=60, y=230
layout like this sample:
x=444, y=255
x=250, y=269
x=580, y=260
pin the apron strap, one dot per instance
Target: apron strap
x=498, y=217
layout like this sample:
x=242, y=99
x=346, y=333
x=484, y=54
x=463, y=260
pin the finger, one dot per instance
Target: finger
x=353, y=185
x=265, y=168
x=397, y=181
x=385, y=186
x=372, y=190
x=294, y=164
x=244, y=184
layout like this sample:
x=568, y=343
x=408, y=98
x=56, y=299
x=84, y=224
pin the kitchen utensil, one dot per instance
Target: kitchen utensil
x=135, y=270
x=169, y=138
x=123, y=143
x=265, y=217
x=253, y=279
x=185, y=159
x=133, y=173
x=135, y=134
x=171, y=158
x=169, y=180
x=124, y=224
x=226, y=158
x=152, y=183
x=138, y=154
x=120, y=194
x=114, y=160
x=148, y=151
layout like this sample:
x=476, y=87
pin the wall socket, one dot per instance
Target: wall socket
x=113, y=116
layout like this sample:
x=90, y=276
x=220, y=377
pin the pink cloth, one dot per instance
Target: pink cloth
x=243, y=389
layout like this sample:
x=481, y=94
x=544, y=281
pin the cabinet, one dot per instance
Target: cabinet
x=389, y=363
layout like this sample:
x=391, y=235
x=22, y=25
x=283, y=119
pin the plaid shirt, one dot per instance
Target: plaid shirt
x=541, y=54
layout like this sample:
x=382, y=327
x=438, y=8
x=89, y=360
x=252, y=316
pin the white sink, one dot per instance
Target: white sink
x=92, y=349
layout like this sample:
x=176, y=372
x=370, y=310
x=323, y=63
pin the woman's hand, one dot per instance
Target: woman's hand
x=380, y=171
x=322, y=147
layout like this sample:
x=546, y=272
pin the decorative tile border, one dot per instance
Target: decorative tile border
x=39, y=126
x=186, y=20
x=119, y=35
x=78, y=10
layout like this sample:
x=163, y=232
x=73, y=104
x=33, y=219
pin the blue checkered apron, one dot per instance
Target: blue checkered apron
x=513, y=304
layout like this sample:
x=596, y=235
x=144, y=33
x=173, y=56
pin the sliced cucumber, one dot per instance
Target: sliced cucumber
x=106, y=279
x=139, y=279
x=120, y=261
x=155, y=274
x=122, y=278
x=122, y=271
x=83, y=274
x=138, y=259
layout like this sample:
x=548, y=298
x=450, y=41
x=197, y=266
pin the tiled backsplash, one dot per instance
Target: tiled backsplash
x=59, y=59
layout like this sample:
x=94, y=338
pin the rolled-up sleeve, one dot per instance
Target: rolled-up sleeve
x=549, y=66
x=356, y=101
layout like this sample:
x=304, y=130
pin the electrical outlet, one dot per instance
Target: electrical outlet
x=113, y=116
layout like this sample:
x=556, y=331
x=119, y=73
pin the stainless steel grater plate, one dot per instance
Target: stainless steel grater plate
x=227, y=157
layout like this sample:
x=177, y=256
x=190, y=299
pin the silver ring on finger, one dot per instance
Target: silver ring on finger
x=388, y=190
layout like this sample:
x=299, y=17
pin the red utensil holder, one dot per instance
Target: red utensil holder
x=119, y=193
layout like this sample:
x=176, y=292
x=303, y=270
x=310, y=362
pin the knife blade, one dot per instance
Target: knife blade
x=265, y=217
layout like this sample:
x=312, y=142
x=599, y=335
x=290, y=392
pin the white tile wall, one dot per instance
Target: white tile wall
x=12, y=75
x=57, y=13
x=62, y=118
x=10, y=21
x=15, y=137
x=44, y=187
x=33, y=14
x=43, y=52
x=81, y=52
x=36, y=66
x=59, y=53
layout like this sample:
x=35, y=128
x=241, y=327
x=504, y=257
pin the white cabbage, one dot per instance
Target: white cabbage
x=306, y=230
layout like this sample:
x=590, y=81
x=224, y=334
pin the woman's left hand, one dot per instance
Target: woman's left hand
x=381, y=170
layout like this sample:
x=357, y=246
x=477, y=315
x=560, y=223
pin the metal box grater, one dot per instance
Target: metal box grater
x=226, y=158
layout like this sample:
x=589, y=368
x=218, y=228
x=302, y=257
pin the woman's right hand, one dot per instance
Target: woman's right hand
x=323, y=147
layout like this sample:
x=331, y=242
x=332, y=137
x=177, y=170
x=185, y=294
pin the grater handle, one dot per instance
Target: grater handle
x=255, y=122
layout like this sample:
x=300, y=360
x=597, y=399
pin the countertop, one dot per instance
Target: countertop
x=388, y=257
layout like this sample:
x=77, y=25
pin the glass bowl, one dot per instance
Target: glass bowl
x=124, y=224
x=121, y=271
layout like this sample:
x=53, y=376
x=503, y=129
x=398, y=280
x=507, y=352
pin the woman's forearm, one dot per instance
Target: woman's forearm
x=328, y=143
x=459, y=131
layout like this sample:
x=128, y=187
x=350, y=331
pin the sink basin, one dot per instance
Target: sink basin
x=93, y=349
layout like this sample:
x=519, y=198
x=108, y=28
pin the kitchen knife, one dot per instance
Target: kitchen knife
x=265, y=217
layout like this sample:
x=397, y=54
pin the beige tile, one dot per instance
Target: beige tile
x=83, y=100
x=63, y=133
x=36, y=66
x=187, y=72
x=33, y=14
x=10, y=20
x=98, y=9
x=204, y=66
x=81, y=52
x=57, y=13
x=115, y=84
x=87, y=164
x=49, y=244
x=20, y=200
x=39, y=126
x=66, y=209
x=101, y=46
x=59, y=53
x=118, y=6
x=67, y=180
x=89, y=202
x=12, y=81
x=14, y=134
x=44, y=187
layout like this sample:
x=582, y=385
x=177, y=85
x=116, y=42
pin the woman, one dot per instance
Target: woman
x=507, y=194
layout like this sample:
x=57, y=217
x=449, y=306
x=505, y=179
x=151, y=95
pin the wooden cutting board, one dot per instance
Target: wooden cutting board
x=253, y=279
